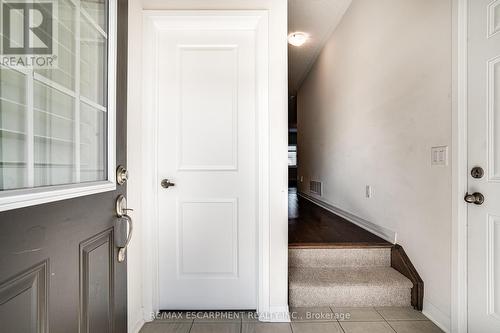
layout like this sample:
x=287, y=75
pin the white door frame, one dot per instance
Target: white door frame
x=154, y=20
x=460, y=168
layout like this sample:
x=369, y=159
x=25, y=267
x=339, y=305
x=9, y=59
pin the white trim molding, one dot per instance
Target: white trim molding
x=459, y=168
x=436, y=316
x=385, y=233
x=136, y=327
x=154, y=21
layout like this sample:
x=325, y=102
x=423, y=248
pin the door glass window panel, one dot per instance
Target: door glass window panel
x=93, y=65
x=54, y=136
x=12, y=128
x=96, y=10
x=53, y=122
x=93, y=136
x=67, y=35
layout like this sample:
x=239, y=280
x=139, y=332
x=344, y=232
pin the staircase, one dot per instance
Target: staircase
x=345, y=277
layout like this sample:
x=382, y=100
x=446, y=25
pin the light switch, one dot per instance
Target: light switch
x=439, y=155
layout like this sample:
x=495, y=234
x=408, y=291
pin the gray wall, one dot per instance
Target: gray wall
x=375, y=102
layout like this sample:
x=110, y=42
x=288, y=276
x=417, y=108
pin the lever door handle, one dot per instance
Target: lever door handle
x=166, y=183
x=475, y=198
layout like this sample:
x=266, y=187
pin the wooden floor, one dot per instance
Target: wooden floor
x=312, y=226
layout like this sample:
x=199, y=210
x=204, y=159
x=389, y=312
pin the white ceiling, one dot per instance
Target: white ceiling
x=318, y=18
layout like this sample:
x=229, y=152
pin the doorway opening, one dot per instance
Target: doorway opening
x=310, y=224
x=311, y=219
x=353, y=169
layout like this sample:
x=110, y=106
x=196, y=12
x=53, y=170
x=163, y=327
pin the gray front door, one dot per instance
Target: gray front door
x=58, y=261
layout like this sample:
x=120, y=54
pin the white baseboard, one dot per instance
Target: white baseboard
x=149, y=316
x=135, y=321
x=136, y=327
x=276, y=314
x=437, y=316
x=385, y=233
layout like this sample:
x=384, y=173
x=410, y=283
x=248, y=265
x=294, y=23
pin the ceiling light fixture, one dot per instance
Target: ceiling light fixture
x=297, y=38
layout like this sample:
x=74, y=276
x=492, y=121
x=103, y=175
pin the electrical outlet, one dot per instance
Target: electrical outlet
x=439, y=155
x=369, y=191
x=301, y=179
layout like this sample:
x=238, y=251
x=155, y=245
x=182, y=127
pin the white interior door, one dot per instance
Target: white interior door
x=207, y=146
x=484, y=152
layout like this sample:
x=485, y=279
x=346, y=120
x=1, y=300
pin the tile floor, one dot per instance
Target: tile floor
x=304, y=320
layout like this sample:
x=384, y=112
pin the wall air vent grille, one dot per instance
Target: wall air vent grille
x=315, y=187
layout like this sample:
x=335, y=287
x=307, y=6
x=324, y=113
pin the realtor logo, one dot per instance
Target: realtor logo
x=28, y=34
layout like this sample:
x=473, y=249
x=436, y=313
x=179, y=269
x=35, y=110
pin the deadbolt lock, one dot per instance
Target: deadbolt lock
x=477, y=172
x=121, y=175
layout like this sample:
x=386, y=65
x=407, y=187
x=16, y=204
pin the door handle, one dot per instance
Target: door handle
x=122, y=248
x=475, y=198
x=121, y=224
x=166, y=183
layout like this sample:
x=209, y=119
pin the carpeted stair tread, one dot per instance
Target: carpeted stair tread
x=339, y=257
x=348, y=287
x=347, y=276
